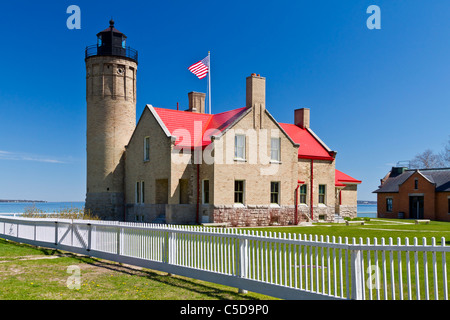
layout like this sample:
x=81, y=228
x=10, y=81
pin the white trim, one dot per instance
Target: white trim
x=281, y=128
x=244, y=146
x=318, y=139
x=279, y=149
x=239, y=204
x=218, y=136
x=160, y=122
x=273, y=204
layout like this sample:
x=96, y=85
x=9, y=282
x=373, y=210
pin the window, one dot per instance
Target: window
x=274, y=192
x=388, y=204
x=138, y=192
x=205, y=191
x=239, y=146
x=275, y=149
x=239, y=191
x=448, y=199
x=322, y=193
x=146, y=148
x=416, y=183
x=303, y=194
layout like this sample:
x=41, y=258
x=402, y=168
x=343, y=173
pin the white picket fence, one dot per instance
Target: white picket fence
x=279, y=265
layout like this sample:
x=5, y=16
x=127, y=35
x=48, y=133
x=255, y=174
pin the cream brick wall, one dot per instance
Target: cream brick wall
x=255, y=170
x=158, y=167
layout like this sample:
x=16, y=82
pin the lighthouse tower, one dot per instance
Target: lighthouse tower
x=111, y=119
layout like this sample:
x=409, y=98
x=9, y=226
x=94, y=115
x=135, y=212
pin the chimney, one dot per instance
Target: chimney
x=256, y=91
x=197, y=102
x=301, y=118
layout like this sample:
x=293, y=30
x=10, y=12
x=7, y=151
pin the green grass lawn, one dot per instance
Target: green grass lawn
x=29, y=273
x=385, y=229
x=375, y=228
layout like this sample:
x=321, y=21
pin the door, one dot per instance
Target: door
x=416, y=207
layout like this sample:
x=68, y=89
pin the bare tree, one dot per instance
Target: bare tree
x=425, y=160
x=445, y=155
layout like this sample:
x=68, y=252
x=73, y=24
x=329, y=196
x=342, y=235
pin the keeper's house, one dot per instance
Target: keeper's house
x=415, y=194
x=240, y=167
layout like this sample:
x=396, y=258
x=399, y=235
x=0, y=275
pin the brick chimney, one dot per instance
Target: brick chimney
x=301, y=118
x=256, y=91
x=197, y=102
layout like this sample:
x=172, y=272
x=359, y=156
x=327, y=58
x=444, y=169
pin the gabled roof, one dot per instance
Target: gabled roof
x=193, y=129
x=310, y=146
x=438, y=176
x=197, y=127
x=342, y=179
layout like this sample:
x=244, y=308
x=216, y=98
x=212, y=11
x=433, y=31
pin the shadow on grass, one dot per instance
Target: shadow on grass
x=179, y=282
x=176, y=281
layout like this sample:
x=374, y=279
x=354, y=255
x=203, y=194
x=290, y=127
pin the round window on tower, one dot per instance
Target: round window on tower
x=120, y=71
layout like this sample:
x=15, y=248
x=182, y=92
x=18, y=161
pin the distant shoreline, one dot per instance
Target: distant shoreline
x=366, y=202
x=22, y=201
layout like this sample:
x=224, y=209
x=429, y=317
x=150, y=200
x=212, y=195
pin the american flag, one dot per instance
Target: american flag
x=201, y=68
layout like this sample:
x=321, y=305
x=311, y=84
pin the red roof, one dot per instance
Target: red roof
x=195, y=129
x=342, y=179
x=310, y=147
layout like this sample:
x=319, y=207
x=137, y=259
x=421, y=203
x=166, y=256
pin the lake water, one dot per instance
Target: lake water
x=49, y=207
x=367, y=211
x=364, y=210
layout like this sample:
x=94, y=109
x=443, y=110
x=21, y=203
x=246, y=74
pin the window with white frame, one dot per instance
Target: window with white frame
x=239, y=146
x=274, y=192
x=275, y=150
x=146, y=148
x=239, y=186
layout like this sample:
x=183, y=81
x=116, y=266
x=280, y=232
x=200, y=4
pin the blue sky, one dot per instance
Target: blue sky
x=376, y=96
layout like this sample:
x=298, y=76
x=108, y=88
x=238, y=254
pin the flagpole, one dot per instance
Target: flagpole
x=209, y=81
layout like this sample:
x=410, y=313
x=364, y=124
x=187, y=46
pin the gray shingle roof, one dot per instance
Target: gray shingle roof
x=439, y=176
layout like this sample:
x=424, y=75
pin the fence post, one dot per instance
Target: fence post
x=242, y=246
x=357, y=287
x=56, y=233
x=119, y=229
x=89, y=244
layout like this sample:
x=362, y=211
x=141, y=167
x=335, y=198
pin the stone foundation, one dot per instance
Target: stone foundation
x=348, y=211
x=256, y=216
